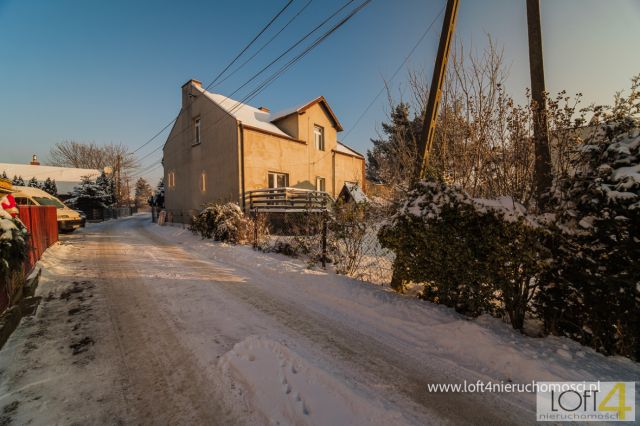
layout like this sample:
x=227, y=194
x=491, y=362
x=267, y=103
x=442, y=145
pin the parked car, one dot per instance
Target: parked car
x=68, y=219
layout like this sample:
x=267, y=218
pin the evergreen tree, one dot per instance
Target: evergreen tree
x=392, y=159
x=157, y=200
x=592, y=295
x=142, y=192
x=88, y=192
x=18, y=181
x=108, y=187
x=50, y=187
x=4, y=175
x=33, y=183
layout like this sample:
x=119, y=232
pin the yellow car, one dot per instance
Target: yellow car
x=68, y=219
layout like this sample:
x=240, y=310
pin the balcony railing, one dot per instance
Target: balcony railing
x=287, y=200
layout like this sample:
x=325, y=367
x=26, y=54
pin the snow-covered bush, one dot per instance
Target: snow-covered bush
x=476, y=255
x=13, y=250
x=593, y=292
x=221, y=222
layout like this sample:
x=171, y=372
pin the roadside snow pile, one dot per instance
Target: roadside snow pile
x=288, y=390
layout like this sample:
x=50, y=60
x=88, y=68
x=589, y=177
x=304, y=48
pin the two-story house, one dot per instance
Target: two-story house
x=219, y=149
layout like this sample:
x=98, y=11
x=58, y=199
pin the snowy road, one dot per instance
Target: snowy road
x=147, y=325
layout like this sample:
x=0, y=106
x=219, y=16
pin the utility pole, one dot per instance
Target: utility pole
x=543, y=177
x=435, y=90
x=117, y=177
x=433, y=103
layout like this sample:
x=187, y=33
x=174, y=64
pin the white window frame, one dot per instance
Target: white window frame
x=197, y=128
x=318, y=137
x=321, y=184
x=272, y=182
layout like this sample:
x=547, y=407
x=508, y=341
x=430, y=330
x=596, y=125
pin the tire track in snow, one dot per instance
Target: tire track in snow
x=372, y=360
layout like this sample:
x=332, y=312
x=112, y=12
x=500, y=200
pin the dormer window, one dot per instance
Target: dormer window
x=196, y=126
x=318, y=134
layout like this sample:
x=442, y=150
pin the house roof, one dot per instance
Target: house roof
x=302, y=108
x=247, y=114
x=263, y=120
x=346, y=150
x=66, y=177
x=354, y=192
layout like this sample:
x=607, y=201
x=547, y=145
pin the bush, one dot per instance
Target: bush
x=221, y=222
x=347, y=230
x=13, y=252
x=593, y=292
x=477, y=256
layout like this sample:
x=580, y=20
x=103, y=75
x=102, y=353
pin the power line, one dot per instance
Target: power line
x=223, y=71
x=284, y=68
x=406, y=59
x=265, y=45
x=291, y=47
x=250, y=43
x=263, y=69
x=297, y=58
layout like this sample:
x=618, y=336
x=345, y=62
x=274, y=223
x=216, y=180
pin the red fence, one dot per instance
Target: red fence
x=42, y=225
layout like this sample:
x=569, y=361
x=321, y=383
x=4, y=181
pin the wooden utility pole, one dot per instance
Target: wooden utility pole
x=543, y=176
x=435, y=90
x=117, y=177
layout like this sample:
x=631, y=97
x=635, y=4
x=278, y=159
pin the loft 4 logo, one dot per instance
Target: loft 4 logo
x=586, y=401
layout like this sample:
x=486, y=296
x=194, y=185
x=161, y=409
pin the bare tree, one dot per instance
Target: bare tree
x=92, y=156
x=117, y=157
x=484, y=140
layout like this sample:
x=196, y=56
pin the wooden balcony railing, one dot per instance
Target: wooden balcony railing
x=287, y=200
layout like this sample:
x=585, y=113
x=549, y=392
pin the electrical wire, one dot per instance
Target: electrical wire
x=223, y=71
x=406, y=59
x=264, y=45
x=262, y=86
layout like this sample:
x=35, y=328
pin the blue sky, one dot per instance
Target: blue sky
x=111, y=71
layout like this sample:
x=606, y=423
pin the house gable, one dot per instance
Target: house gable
x=283, y=116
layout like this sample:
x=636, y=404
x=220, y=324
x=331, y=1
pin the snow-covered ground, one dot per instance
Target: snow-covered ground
x=147, y=324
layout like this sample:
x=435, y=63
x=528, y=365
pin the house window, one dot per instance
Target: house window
x=278, y=180
x=203, y=182
x=318, y=134
x=196, y=124
x=171, y=179
x=320, y=184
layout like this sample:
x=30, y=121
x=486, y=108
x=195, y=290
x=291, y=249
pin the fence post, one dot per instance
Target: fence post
x=255, y=230
x=324, y=242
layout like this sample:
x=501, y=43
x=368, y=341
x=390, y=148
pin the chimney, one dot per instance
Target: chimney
x=265, y=109
x=190, y=91
x=34, y=160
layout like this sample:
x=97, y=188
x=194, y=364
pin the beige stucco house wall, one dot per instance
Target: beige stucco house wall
x=239, y=146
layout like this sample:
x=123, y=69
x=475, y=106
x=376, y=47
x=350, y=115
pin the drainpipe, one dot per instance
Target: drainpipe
x=242, y=164
x=333, y=171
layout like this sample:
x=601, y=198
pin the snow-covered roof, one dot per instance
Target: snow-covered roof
x=247, y=114
x=355, y=191
x=66, y=177
x=340, y=147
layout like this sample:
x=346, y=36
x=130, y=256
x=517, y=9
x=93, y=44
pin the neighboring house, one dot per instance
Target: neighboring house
x=66, y=177
x=219, y=149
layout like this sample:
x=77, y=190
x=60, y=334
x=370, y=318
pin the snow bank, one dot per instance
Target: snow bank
x=287, y=389
x=433, y=335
